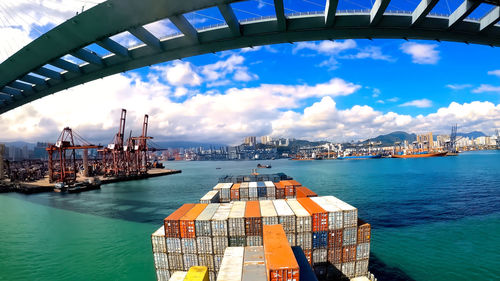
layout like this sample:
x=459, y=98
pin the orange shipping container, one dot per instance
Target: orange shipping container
x=253, y=219
x=280, y=190
x=281, y=264
x=235, y=191
x=349, y=253
x=290, y=186
x=171, y=223
x=303, y=191
x=319, y=215
x=364, y=231
x=187, y=224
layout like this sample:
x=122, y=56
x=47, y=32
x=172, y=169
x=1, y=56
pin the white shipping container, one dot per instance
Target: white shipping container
x=291, y=238
x=158, y=240
x=252, y=192
x=206, y=260
x=350, y=213
x=349, y=236
x=304, y=240
x=361, y=268
x=286, y=216
x=225, y=192
x=348, y=269
x=268, y=213
x=319, y=256
x=362, y=251
x=175, y=261
x=217, y=261
x=252, y=184
x=219, y=220
x=254, y=240
x=162, y=275
x=173, y=245
x=190, y=260
x=335, y=214
x=244, y=191
x=203, y=222
x=178, y=276
x=161, y=260
x=220, y=244
x=210, y=197
x=204, y=245
x=303, y=221
x=236, y=219
x=271, y=192
x=269, y=184
x=232, y=265
x=188, y=245
x=253, y=199
x=218, y=186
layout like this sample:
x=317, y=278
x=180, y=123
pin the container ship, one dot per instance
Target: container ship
x=420, y=155
x=263, y=227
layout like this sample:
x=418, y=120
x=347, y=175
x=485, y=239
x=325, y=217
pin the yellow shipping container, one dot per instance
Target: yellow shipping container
x=197, y=273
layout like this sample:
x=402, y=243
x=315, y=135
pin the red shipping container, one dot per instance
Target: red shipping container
x=280, y=190
x=303, y=191
x=186, y=222
x=349, y=253
x=281, y=264
x=235, y=192
x=335, y=255
x=290, y=187
x=171, y=223
x=364, y=231
x=319, y=215
x=253, y=219
x=335, y=238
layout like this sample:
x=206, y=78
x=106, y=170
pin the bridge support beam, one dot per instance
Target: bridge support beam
x=88, y=56
x=66, y=65
x=422, y=10
x=280, y=14
x=146, y=37
x=467, y=7
x=185, y=27
x=49, y=73
x=330, y=11
x=230, y=18
x=490, y=19
x=113, y=47
x=378, y=10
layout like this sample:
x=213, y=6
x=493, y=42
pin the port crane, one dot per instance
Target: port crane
x=62, y=157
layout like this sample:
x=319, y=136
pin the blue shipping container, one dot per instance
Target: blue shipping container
x=320, y=239
x=261, y=191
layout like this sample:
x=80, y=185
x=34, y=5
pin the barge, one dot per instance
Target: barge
x=273, y=215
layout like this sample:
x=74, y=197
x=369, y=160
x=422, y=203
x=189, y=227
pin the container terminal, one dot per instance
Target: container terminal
x=121, y=160
x=263, y=227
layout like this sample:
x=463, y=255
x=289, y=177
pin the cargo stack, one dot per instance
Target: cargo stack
x=211, y=197
x=254, y=264
x=232, y=265
x=253, y=224
x=270, y=190
x=236, y=221
x=332, y=237
x=303, y=230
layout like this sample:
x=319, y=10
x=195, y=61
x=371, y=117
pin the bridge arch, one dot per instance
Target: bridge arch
x=27, y=75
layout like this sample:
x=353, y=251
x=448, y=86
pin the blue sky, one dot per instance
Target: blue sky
x=335, y=90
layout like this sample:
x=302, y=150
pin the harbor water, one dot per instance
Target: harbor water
x=432, y=218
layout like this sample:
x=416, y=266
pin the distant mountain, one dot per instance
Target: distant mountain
x=390, y=139
x=19, y=144
x=472, y=135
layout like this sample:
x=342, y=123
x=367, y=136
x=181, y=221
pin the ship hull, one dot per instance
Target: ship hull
x=423, y=155
x=360, y=157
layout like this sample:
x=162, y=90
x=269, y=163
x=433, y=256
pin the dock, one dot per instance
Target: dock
x=43, y=185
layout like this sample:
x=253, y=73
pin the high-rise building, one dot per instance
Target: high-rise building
x=425, y=141
x=252, y=140
x=266, y=139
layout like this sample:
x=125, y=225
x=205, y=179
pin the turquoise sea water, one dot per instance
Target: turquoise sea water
x=432, y=219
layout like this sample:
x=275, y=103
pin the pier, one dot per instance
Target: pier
x=43, y=185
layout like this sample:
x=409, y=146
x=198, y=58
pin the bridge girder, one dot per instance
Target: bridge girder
x=25, y=76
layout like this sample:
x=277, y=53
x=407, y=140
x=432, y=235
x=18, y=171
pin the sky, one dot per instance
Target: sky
x=326, y=90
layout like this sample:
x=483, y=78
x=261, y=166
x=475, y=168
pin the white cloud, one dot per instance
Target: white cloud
x=371, y=52
x=179, y=74
x=375, y=92
x=458, y=86
x=232, y=65
x=421, y=53
x=422, y=103
x=494, y=72
x=394, y=99
x=484, y=88
x=326, y=47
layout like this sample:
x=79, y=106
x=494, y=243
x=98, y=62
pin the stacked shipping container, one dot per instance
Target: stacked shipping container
x=326, y=228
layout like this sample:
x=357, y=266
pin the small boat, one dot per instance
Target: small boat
x=420, y=155
x=263, y=166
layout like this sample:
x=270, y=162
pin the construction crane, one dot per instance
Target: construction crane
x=141, y=149
x=451, y=145
x=114, y=157
x=63, y=168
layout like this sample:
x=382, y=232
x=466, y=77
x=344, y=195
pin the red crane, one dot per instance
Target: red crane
x=63, y=168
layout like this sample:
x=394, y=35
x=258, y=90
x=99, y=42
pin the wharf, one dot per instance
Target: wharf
x=43, y=185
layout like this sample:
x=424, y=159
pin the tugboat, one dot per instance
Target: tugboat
x=263, y=166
